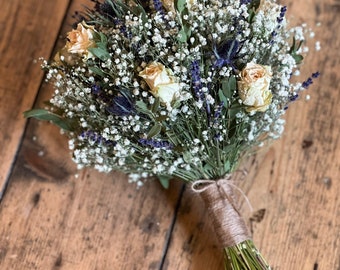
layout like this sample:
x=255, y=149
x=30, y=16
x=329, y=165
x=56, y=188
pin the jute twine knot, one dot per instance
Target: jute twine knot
x=219, y=199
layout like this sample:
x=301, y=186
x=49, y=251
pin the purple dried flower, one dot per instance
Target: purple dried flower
x=155, y=143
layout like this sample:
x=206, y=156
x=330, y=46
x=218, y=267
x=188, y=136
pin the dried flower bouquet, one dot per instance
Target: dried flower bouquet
x=178, y=89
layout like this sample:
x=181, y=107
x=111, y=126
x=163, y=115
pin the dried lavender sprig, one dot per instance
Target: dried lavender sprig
x=196, y=80
x=155, y=143
x=309, y=81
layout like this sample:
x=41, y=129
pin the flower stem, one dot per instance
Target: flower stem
x=244, y=256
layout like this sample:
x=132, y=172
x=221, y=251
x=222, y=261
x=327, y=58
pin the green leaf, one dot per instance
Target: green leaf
x=97, y=70
x=229, y=87
x=251, y=16
x=293, y=51
x=234, y=109
x=101, y=53
x=208, y=168
x=225, y=88
x=141, y=105
x=187, y=156
x=293, y=47
x=103, y=38
x=182, y=36
x=101, y=45
x=176, y=103
x=164, y=180
x=187, y=30
x=45, y=115
x=298, y=58
x=232, y=83
x=119, y=8
x=143, y=108
x=155, y=105
x=154, y=131
x=222, y=98
x=172, y=137
x=180, y=5
x=227, y=166
x=138, y=10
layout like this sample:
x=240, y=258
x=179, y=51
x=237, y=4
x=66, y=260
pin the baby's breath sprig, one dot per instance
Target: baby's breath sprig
x=176, y=89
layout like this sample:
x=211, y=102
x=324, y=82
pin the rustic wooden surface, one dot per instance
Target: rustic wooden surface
x=55, y=217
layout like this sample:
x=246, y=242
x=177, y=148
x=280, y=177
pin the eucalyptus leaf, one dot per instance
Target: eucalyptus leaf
x=45, y=115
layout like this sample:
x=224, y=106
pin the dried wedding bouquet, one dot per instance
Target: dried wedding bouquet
x=178, y=89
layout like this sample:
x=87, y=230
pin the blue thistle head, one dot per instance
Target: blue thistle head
x=245, y=2
x=227, y=53
x=96, y=89
x=121, y=105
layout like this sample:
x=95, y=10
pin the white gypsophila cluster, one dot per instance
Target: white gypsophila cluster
x=121, y=121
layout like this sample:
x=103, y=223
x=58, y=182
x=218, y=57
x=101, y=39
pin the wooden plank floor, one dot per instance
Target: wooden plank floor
x=55, y=217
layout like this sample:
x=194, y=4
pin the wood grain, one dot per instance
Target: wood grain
x=56, y=217
x=28, y=31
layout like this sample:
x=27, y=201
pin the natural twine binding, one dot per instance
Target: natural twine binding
x=218, y=197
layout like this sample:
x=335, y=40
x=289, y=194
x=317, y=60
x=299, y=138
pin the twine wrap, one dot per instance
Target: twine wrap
x=218, y=197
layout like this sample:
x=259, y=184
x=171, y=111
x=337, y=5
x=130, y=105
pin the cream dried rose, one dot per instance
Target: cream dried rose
x=169, y=5
x=161, y=82
x=191, y=3
x=253, y=87
x=168, y=92
x=81, y=39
